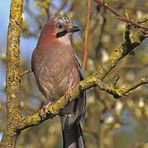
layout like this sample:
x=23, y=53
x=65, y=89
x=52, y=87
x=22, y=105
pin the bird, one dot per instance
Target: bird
x=57, y=69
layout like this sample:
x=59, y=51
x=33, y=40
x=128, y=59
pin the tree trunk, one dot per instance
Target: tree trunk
x=12, y=75
x=9, y=140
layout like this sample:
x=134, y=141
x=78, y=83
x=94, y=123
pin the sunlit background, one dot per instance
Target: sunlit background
x=109, y=123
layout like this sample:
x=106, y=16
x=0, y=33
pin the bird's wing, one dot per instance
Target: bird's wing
x=79, y=67
x=81, y=102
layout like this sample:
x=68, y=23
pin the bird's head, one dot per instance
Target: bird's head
x=59, y=28
x=63, y=26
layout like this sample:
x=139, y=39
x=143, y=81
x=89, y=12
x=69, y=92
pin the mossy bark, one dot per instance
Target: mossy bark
x=12, y=75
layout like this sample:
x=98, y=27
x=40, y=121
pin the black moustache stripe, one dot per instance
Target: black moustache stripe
x=62, y=33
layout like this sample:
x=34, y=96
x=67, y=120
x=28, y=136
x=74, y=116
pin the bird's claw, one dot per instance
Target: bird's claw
x=68, y=92
x=43, y=110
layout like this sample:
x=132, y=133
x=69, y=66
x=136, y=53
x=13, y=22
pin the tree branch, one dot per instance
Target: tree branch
x=25, y=72
x=120, y=92
x=128, y=20
x=12, y=74
x=86, y=34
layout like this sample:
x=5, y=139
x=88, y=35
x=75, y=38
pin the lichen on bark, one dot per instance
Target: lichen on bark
x=12, y=74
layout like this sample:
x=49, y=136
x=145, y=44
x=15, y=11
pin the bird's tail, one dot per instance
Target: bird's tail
x=72, y=134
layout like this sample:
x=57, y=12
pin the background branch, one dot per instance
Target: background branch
x=25, y=72
x=86, y=34
x=111, y=9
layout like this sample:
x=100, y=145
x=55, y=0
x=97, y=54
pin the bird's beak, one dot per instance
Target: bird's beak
x=74, y=29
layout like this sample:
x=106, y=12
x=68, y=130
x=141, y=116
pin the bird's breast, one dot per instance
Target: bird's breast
x=56, y=72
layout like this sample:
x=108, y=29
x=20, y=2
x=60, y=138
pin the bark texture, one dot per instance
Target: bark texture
x=12, y=75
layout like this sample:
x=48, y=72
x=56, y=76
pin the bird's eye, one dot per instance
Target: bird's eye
x=60, y=26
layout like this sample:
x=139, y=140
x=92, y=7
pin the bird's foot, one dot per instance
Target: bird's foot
x=68, y=92
x=43, y=110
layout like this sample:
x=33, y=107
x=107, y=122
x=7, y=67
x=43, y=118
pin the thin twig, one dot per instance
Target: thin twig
x=25, y=72
x=86, y=34
x=134, y=86
x=111, y=9
x=130, y=21
x=120, y=92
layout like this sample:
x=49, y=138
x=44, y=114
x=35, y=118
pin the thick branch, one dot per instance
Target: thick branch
x=55, y=108
x=12, y=74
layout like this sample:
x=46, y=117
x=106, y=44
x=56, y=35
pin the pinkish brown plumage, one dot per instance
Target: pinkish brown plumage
x=57, y=69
